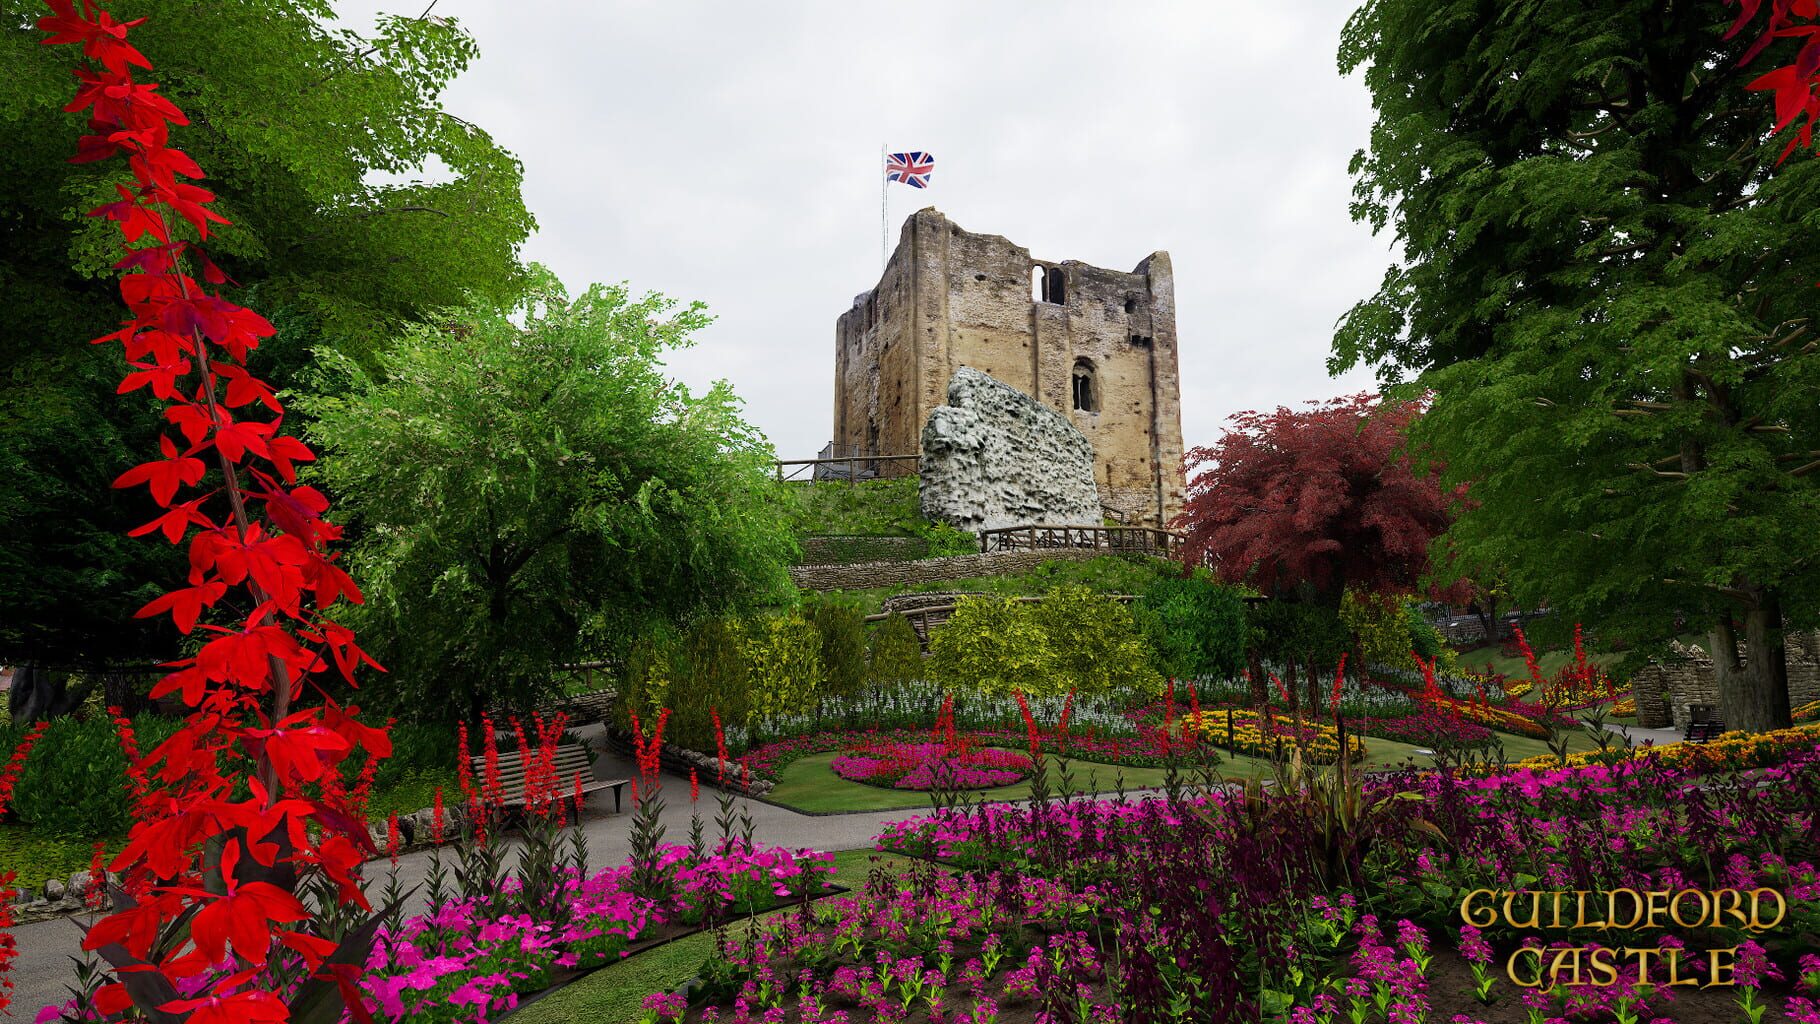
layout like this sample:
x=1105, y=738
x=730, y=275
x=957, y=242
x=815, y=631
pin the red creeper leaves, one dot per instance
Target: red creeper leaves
x=260, y=580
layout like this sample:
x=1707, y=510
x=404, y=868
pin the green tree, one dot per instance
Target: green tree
x=1195, y=625
x=315, y=136
x=1606, y=284
x=994, y=645
x=528, y=487
x=896, y=653
x=1096, y=645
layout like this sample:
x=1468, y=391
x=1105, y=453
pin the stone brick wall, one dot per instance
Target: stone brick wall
x=1666, y=690
x=951, y=298
x=863, y=575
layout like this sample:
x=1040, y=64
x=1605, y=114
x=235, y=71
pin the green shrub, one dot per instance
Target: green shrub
x=784, y=662
x=843, y=646
x=652, y=663
x=715, y=679
x=1095, y=643
x=74, y=783
x=1195, y=626
x=996, y=645
x=897, y=654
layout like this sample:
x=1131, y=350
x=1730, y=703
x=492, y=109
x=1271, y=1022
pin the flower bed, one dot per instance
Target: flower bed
x=932, y=765
x=469, y=958
x=1270, y=734
x=1428, y=727
x=1099, y=911
x=1732, y=751
x=768, y=761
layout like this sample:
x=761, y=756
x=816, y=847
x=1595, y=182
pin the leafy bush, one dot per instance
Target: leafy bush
x=994, y=644
x=784, y=662
x=716, y=679
x=843, y=646
x=897, y=654
x=74, y=783
x=1385, y=628
x=1097, y=647
x=1195, y=626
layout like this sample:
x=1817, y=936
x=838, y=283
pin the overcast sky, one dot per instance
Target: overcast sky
x=729, y=152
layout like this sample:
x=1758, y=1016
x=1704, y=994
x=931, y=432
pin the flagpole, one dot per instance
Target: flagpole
x=884, y=217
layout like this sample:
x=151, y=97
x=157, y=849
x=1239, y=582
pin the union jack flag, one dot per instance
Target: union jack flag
x=913, y=169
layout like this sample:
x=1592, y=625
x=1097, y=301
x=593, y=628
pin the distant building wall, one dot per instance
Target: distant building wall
x=1097, y=345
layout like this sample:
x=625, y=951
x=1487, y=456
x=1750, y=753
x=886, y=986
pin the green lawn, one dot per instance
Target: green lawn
x=612, y=995
x=1550, y=661
x=809, y=784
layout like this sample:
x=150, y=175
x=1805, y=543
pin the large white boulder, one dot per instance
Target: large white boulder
x=995, y=457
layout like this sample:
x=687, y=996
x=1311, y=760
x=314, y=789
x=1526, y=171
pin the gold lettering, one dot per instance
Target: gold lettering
x=1674, y=908
x=1535, y=909
x=1714, y=966
x=1510, y=968
x=1611, y=909
x=1756, y=922
x=1652, y=910
x=1599, y=961
x=1642, y=957
x=1673, y=955
x=1734, y=906
x=1572, y=957
x=1491, y=916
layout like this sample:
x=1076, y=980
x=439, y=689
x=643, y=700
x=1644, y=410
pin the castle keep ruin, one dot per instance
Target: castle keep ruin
x=1096, y=345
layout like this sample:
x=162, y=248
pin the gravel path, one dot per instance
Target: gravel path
x=43, y=967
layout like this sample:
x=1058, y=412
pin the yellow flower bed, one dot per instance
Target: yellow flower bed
x=1321, y=743
x=1627, y=706
x=1519, y=687
x=1808, y=712
x=1732, y=751
x=1492, y=718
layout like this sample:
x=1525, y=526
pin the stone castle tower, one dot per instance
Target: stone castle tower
x=1097, y=345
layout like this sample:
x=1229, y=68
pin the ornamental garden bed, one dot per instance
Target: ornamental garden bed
x=1236, y=907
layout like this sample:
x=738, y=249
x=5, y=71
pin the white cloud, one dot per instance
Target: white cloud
x=729, y=153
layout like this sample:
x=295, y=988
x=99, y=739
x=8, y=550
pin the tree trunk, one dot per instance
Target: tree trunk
x=1753, y=682
x=1488, y=618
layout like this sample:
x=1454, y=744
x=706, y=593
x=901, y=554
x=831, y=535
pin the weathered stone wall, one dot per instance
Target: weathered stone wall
x=863, y=575
x=995, y=457
x=1667, y=689
x=951, y=298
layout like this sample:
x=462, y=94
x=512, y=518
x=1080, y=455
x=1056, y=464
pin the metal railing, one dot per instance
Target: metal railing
x=1042, y=537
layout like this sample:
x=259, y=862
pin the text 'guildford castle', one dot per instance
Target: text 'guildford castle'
x=1097, y=345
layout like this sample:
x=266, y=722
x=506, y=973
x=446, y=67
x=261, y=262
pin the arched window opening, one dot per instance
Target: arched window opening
x=1036, y=283
x=1048, y=284
x=1086, y=395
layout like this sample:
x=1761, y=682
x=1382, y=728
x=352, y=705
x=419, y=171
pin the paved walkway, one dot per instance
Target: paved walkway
x=43, y=967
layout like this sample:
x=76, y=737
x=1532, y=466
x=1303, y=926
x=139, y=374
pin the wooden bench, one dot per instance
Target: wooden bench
x=1704, y=732
x=571, y=762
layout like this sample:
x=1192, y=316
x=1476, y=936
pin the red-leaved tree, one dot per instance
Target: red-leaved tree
x=245, y=801
x=1326, y=497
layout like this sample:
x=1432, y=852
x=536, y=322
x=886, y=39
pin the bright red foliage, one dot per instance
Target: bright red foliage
x=1793, y=84
x=1325, y=496
x=208, y=872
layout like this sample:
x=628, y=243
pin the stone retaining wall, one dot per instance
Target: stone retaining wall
x=1667, y=689
x=864, y=575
